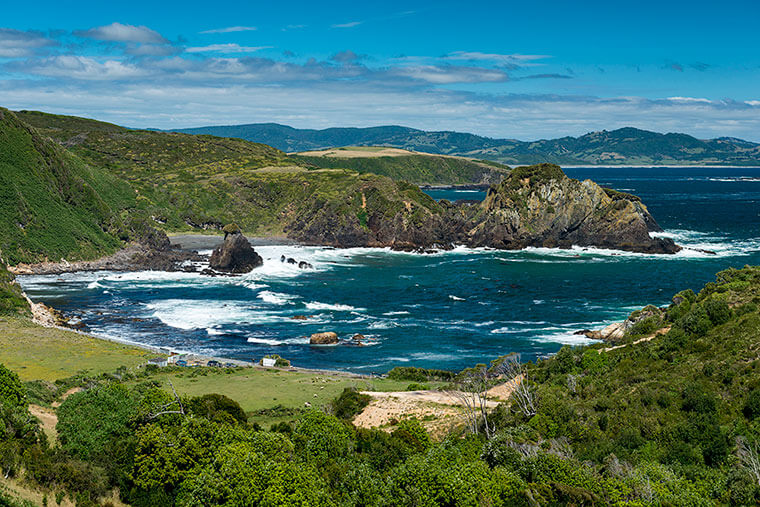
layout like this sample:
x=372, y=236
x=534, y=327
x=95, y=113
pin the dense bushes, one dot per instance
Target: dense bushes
x=413, y=374
x=349, y=403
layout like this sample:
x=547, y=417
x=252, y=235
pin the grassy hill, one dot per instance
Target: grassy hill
x=195, y=182
x=52, y=204
x=417, y=168
x=626, y=146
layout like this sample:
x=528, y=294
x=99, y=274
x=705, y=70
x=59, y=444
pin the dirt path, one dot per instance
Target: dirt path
x=48, y=419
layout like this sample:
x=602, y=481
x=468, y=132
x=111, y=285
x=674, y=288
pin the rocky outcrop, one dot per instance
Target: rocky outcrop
x=151, y=252
x=235, y=255
x=535, y=206
x=327, y=338
x=617, y=330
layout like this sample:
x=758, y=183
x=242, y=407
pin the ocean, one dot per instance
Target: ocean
x=444, y=310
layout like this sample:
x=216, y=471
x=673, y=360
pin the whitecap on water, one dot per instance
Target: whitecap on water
x=315, y=305
x=455, y=298
x=275, y=298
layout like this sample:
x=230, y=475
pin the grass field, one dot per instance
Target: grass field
x=258, y=389
x=39, y=353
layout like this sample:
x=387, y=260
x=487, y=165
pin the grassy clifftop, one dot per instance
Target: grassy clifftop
x=189, y=182
x=417, y=168
x=52, y=204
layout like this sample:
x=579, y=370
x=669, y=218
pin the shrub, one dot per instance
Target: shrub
x=217, y=407
x=413, y=433
x=350, y=403
x=413, y=374
x=12, y=390
x=717, y=310
x=752, y=405
x=320, y=437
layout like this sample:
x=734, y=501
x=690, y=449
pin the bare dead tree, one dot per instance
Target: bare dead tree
x=167, y=407
x=749, y=456
x=572, y=383
x=472, y=392
x=525, y=394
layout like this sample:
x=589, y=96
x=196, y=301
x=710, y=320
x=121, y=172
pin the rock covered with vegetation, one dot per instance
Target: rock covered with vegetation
x=540, y=206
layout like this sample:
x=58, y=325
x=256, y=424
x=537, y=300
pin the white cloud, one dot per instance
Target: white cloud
x=226, y=48
x=350, y=24
x=80, y=68
x=689, y=99
x=452, y=74
x=117, y=32
x=497, y=57
x=19, y=44
x=230, y=29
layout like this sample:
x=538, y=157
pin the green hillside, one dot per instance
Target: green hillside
x=188, y=182
x=52, y=204
x=420, y=169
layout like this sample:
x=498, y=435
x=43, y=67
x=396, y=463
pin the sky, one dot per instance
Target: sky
x=523, y=70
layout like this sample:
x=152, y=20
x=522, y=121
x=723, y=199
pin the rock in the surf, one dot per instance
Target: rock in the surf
x=235, y=255
x=327, y=338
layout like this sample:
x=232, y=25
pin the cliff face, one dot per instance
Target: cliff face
x=540, y=206
x=534, y=206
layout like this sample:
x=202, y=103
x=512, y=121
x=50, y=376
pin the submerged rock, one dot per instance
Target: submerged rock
x=235, y=255
x=327, y=338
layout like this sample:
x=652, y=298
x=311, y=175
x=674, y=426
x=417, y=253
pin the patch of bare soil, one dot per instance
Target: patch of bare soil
x=47, y=418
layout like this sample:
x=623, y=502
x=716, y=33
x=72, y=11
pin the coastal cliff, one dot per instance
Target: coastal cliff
x=534, y=206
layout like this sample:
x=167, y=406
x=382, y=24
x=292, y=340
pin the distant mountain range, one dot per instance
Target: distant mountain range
x=625, y=146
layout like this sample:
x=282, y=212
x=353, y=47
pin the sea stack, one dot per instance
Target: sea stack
x=235, y=255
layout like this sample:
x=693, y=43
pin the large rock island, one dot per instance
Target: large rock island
x=534, y=206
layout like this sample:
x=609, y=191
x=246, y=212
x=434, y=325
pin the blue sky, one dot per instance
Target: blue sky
x=523, y=70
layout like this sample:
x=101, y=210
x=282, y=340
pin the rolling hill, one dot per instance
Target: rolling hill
x=625, y=146
x=414, y=167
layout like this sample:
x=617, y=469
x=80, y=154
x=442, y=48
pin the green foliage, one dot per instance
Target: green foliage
x=52, y=205
x=217, y=407
x=320, y=437
x=12, y=391
x=12, y=301
x=411, y=373
x=350, y=403
x=413, y=433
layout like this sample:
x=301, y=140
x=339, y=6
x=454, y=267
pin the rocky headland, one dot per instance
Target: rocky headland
x=534, y=206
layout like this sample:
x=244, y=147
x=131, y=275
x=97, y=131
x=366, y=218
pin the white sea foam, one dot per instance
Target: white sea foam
x=315, y=305
x=396, y=313
x=195, y=314
x=275, y=298
x=455, y=298
x=94, y=285
x=564, y=337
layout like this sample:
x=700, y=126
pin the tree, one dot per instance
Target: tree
x=11, y=389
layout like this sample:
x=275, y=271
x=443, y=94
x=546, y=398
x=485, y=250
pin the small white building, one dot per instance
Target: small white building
x=268, y=362
x=158, y=361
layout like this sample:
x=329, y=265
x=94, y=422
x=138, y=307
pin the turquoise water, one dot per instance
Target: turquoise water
x=445, y=310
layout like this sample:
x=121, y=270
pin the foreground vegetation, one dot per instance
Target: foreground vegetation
x=670, y=417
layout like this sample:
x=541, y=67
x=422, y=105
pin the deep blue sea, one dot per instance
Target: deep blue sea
x=446, y=310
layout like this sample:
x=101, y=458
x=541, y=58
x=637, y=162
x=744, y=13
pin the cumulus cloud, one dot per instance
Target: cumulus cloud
x=117, y=32
x=230, y=29
x=19, y=44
